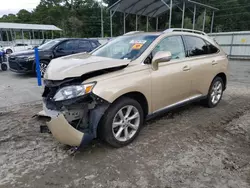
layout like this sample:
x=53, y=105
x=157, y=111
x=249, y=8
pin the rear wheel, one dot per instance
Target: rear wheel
x=215, y=93
x=122, y=122
x=9, y=51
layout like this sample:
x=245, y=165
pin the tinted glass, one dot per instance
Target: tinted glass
x=94, y=45
x=212, y=49
x=172, y=44
x=49, y=45
x=83, y=44
x=195, y=46
x=68, y=45
x=125, y=47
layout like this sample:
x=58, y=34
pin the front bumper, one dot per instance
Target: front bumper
x=61, y=129
x=64, y=132
x=21, y=66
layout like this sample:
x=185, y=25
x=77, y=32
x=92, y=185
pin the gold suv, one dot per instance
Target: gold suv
x=109, y=92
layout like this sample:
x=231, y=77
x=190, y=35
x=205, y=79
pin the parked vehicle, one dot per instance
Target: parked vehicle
x=111, y=91
x=3, y=65
x=24, y=62
x=17, y=48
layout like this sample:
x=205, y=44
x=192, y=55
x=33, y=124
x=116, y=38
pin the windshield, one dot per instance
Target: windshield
x=125, y=47
x=49, y=45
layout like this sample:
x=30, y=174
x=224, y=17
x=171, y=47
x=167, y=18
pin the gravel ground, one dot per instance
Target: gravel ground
x=189, y=147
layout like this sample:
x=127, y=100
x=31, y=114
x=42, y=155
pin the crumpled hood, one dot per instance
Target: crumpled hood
x=79, y=64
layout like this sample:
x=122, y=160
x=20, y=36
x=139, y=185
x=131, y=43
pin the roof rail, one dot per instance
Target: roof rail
x=133, y=32
x=184, y=30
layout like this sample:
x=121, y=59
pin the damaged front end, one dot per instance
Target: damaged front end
x=74, y=110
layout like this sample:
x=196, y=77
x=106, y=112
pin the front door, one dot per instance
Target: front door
x=171, y=83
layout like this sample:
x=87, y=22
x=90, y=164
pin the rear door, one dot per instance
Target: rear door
x=202, y=64
x=84, y=46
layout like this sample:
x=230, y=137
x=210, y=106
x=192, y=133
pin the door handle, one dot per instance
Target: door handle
x=214, y=62
x=186, y=68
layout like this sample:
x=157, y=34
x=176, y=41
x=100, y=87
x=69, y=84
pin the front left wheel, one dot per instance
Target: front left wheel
x=4, y=67
x=122, y=122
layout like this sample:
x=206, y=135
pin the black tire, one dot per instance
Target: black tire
x=208, y=101
x=105, y=130
x=4, y=67
x=9, y=51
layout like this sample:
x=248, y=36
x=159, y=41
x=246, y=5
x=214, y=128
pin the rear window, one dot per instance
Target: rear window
x=196, y=46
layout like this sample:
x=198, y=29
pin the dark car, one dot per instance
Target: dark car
x=24, y=62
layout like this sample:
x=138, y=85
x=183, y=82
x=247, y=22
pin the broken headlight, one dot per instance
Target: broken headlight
x=70, y=92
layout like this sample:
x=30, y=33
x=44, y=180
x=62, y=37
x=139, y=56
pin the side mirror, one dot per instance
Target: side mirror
x=161, y=57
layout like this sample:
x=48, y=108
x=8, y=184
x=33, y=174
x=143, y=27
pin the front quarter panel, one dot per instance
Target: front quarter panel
x=115, y=87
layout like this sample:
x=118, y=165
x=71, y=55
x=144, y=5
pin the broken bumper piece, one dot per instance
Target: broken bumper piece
x=64, y=132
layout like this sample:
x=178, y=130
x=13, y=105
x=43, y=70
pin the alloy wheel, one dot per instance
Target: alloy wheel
x=43, y=67
x=216, y=92
x=126, y=123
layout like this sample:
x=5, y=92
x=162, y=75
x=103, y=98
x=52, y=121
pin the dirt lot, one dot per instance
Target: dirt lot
x=190, y=147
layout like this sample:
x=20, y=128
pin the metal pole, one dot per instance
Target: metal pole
x=157, y=22
x=147, y=23
x=22, y=37
x=43, y=34
x=1, y=38
x=124, y=22
x=102, y=21
x=183, y=14
x=52, y=34
x=15, y=35
x=212, y=23
x=11, y=34
x=8, y=39
x=30, y=37
x=204, y=20
x=136, y=23
x=33, y=33
x=194, y=17
x=231, y=47
x=170, y=13
x=111, y=27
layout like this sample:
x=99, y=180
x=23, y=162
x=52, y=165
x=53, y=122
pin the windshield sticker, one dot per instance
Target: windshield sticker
x=137, y=46
x=138, y=41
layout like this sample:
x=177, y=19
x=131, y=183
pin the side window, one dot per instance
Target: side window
x=85, y=45
x=94, y=45
x=195, y=46
x=212, y=48
x=173, y=44
x=68, y=45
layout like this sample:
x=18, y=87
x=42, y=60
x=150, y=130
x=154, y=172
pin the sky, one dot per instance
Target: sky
x=13, y=6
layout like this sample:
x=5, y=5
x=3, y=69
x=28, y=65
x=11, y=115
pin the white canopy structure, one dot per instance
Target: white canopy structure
x=12, y=28
x=156, y=8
